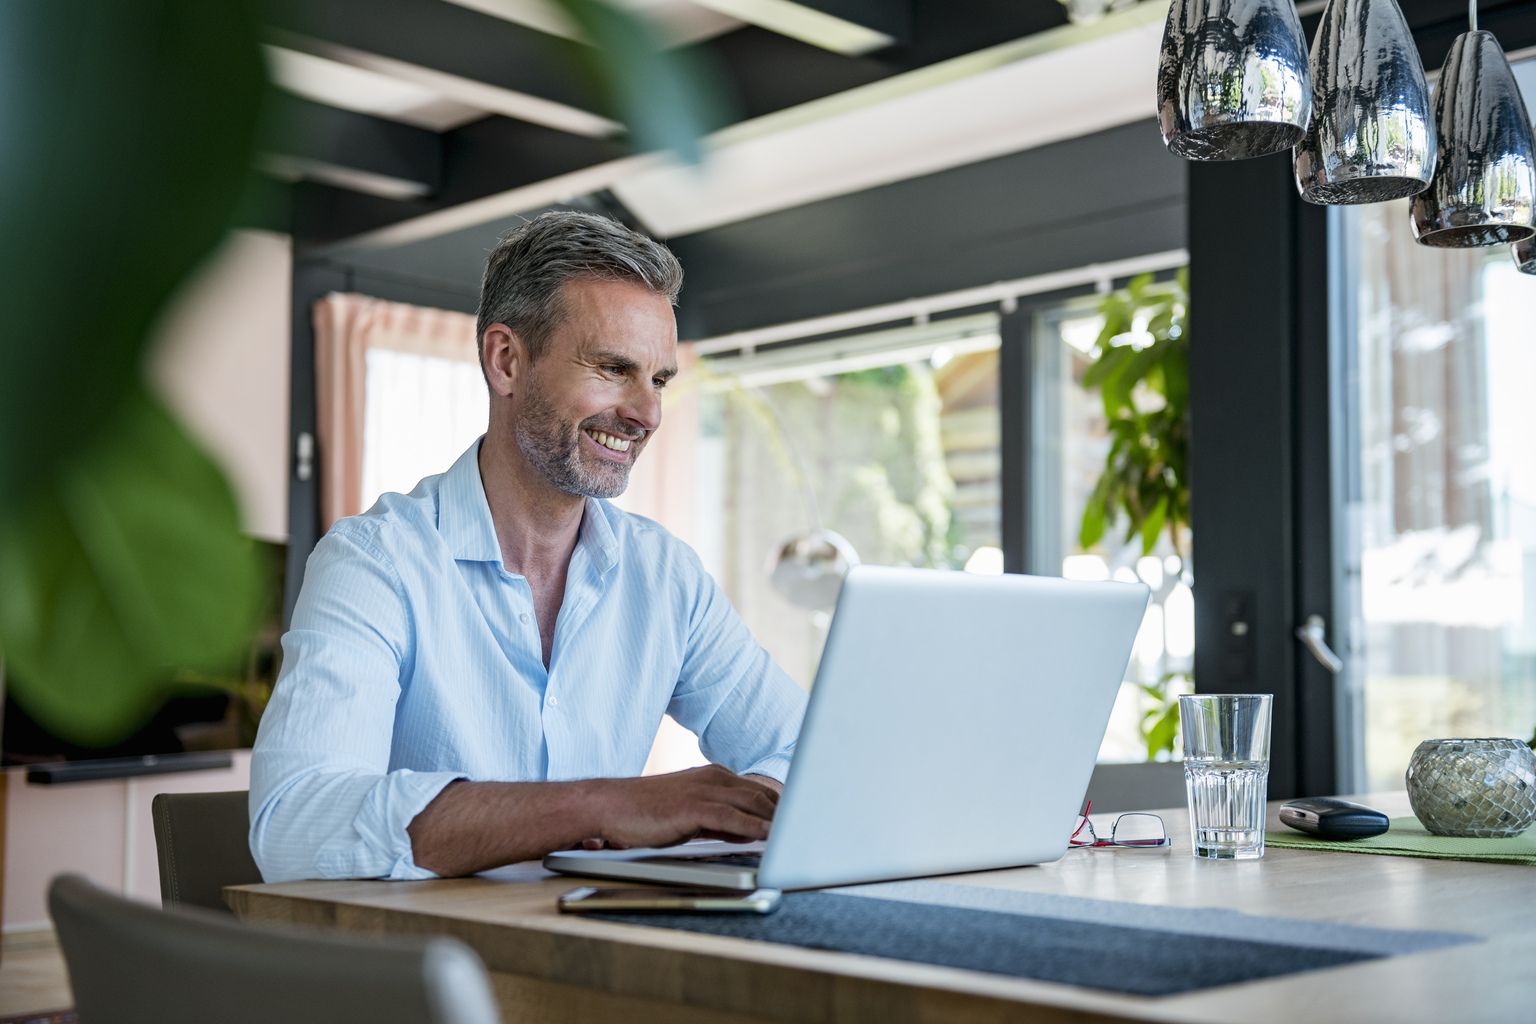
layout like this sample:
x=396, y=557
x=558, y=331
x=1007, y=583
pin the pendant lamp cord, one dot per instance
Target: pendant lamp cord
x=1472, y=14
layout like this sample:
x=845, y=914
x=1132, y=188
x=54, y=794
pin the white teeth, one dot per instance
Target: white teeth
x=617, y=444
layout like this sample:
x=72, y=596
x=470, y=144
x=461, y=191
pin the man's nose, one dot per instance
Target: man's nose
x=642, y=407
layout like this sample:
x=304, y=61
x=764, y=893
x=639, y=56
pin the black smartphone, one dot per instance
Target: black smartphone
x=587, y=899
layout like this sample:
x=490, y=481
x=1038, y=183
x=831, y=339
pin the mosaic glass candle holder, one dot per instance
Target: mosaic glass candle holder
x=1476, y=788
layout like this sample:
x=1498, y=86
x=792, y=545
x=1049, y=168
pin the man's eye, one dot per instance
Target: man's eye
x=660, y=382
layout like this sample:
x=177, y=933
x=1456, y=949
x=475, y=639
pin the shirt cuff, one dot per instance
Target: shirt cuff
x=388, y=810
x=775, y=766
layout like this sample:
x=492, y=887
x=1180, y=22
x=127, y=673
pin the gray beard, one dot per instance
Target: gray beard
x=553, y=447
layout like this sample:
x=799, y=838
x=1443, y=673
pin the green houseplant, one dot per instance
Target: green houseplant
x=1141, y=370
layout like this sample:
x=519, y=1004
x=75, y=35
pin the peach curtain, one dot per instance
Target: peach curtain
x=346, y=327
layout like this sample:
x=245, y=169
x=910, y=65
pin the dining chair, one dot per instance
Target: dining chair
x=130, y=963
x=203, y=841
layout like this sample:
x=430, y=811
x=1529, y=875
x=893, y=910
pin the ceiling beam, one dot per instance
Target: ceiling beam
x=465, y=55
x=301, y=140
x=843, y=26
x=484, y=159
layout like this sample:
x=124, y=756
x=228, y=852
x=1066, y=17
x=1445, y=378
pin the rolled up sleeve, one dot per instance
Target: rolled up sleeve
x=324, y=803
x=744, y=708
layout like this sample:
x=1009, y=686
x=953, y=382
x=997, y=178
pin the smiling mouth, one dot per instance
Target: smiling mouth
x=617, y=444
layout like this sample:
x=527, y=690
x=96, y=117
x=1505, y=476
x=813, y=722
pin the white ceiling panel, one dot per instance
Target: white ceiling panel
x=805, y=24
x=467, y=92
x=1052, y=86
x=678, y=22
x=365, y=92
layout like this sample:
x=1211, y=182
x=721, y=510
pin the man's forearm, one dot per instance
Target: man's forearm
x=473, y=826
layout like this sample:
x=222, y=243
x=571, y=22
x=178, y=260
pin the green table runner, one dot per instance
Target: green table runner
x=1407, y=838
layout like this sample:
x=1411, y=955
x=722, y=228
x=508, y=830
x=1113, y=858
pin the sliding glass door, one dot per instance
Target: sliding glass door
x=1440, y=504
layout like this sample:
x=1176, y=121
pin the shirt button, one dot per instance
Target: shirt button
x=524, y=618
x=554, y=701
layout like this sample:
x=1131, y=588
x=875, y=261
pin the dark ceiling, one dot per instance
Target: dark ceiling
x=760, y=72
x=741, y=271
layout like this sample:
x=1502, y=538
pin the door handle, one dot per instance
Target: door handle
x=1313, y=634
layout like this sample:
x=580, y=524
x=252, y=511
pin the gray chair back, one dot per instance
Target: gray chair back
x=203, y=840
x=1150, y=786
x=133, y=964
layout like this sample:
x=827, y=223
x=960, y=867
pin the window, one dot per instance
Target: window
x=1070, y=443
x=1440, y=517
x=420, y=414
x=888, y=438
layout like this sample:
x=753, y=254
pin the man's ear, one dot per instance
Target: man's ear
x=504, y=358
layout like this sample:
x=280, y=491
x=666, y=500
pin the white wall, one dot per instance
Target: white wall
x=102, y=830
x=221, y=362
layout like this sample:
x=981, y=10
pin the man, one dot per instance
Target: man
x=476, y=670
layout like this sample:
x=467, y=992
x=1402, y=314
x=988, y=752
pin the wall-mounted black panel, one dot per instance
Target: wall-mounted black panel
x=1259, y=450
x=310, y=282
x=1110, y=195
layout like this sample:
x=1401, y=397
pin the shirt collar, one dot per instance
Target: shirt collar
x=597, y=535
x=464, y=518
x=463, y=514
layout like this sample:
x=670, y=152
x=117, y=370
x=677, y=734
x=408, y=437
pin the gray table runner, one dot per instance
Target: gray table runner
x=1118, y=947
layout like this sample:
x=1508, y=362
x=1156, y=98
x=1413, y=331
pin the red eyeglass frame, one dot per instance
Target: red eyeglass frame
x=1141, y=844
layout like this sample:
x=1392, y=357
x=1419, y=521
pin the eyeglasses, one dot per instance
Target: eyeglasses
x=1139, y=830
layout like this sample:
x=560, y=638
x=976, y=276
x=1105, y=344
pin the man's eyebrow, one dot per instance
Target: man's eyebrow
x=629, y=365
x=614, y=359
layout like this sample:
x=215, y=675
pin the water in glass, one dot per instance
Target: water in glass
x=1226, y=771
x=1226, y=807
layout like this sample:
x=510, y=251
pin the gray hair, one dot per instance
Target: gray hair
x=525, y=272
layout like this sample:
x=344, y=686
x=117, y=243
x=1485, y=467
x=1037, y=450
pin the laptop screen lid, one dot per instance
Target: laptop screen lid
x=953, y=727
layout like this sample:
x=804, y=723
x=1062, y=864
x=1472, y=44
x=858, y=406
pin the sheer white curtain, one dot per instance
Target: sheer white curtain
x=399, y=396
x=422, y=412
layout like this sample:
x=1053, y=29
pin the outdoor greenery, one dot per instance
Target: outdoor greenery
x=1160, y=720
x=124, y=152
x=1141, y=371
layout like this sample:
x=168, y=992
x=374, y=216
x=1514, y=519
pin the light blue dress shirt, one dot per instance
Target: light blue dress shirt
x=414, y=659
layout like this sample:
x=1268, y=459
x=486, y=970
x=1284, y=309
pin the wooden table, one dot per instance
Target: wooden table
x=550, y=967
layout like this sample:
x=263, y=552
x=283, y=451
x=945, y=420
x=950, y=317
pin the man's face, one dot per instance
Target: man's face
x=589, y=403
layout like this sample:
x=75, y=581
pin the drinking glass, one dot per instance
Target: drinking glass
x=1226, y=769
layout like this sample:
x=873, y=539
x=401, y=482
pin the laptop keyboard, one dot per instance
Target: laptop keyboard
x=729, y=860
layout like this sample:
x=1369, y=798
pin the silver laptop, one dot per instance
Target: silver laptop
x=953, y=727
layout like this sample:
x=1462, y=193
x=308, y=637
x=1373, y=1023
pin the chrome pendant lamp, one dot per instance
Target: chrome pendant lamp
x=1484, y=189
x=1525, y=255
x=1372, y=136
x=1232, y=79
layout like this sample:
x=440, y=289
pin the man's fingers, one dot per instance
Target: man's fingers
x=735, y=822
x=754, y=800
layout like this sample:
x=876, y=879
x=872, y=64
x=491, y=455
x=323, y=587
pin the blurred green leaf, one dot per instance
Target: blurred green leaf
x=668, y=98
x=125, y=132
x=127, y=567
x=1161, y=735
x=1153, y=524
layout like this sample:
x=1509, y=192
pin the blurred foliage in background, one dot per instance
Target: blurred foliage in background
x=126, y=131
x=1141, y=371
x=1160, y=720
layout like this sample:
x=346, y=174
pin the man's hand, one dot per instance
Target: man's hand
x=661, y=810
x=473, y=826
